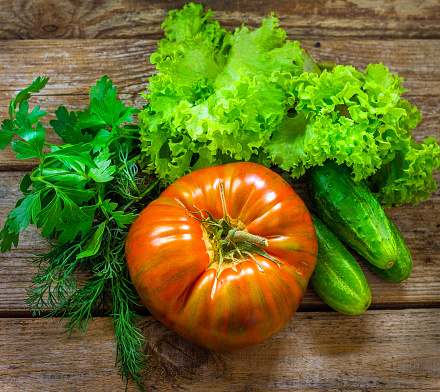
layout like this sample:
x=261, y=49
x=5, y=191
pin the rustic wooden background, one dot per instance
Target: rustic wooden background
x=394, y=346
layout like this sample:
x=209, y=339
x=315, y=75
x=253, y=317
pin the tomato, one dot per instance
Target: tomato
x=223, y=257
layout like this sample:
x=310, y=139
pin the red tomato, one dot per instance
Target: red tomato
x=174, y=255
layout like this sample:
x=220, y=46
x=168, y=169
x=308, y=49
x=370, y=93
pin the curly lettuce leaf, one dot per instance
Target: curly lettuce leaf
x=408, y=178
x=361, y=120
x=217, y=96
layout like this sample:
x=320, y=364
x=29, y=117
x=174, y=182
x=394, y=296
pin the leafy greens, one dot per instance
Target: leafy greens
x=83, y=195
x=221, y=96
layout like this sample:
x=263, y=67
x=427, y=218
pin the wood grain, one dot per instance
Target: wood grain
x=386, y=350
x=314, y=19
x=394, y=350
x=37, y=356
x=74, y=65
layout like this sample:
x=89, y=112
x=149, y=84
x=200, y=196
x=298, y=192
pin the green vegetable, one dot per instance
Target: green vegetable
x=220, y=96
x=338, y=279
x=83, y=195
x=401, y=270
x=66, y=190
x=352, y=213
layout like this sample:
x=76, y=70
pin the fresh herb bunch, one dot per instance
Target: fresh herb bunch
x=83, y=195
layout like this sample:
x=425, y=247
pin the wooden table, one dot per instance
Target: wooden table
x=394, y=346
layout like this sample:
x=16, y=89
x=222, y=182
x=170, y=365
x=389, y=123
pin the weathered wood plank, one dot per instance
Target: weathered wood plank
x=386, y=350
x=313, y=19
x=396, y=350
x=36, y=356
x=419, y=224
x=75, y=65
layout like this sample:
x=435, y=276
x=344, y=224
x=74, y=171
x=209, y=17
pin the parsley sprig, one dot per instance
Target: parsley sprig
x=83, y=195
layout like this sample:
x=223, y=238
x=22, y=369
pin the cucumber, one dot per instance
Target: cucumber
x=338, y=279
x=352, y=212
x=401, y=270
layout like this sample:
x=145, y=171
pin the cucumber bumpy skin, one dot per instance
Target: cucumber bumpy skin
x=338, y=279
x=401, y=270
x=352, y=212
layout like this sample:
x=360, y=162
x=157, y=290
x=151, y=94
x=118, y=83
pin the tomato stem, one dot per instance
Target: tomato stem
x=222, y=196
x=236, y=235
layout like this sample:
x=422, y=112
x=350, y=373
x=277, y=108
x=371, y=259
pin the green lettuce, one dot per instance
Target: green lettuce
x=221, y=96
x=358, y=119
x=218, y=96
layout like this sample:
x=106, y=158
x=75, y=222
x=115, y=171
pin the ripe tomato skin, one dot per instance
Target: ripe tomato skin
x=169, y=258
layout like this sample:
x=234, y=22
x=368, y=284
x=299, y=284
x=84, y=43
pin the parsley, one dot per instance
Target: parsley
x=83, y=195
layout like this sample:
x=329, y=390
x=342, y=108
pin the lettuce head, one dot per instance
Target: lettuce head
x=220, y=96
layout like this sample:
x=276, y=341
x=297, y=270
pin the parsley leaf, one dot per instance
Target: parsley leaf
x=104, y=169
x=36, y=86
x=119, y=216
x=105, y=110
x=50, y=217
x=74, y=157
x=25, y=211
x=8, y=239
x=64, y=119
x=32, y=146
x=92, y=246
x=7, y=133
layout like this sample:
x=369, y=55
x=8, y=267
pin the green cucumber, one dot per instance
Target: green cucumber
x=352, y=212
x=338, y=279
x=401, y=270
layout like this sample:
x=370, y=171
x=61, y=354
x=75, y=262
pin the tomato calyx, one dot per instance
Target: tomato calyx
x=228, y=242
